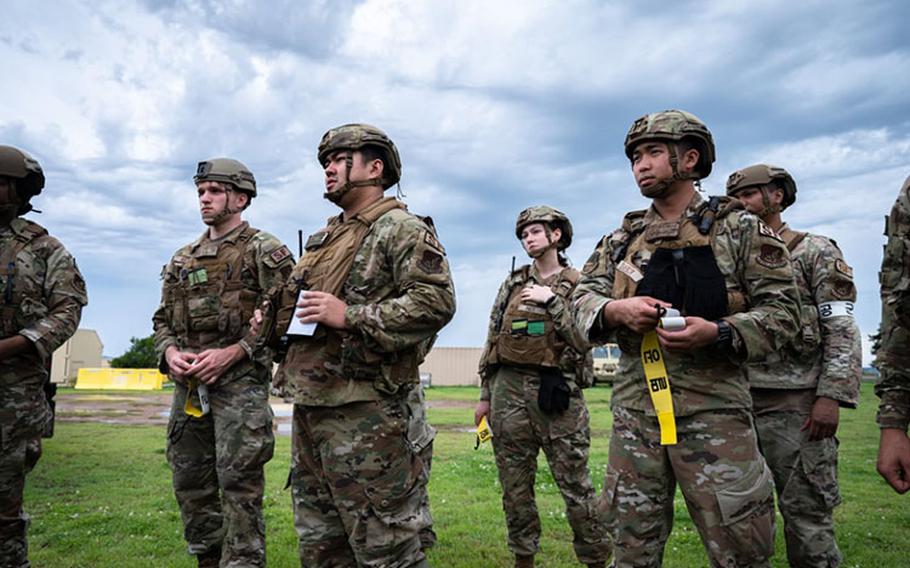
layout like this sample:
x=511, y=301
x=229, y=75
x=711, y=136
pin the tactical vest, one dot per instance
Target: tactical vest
x=674, y=261
x=324, y=267
x=527, y=335
x=13, y=295
x=211, y=301
x=810, y=337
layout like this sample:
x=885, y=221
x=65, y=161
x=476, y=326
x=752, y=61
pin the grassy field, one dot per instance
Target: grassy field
x=101, y=496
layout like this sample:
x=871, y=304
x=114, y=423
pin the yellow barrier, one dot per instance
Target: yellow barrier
x=120, y=379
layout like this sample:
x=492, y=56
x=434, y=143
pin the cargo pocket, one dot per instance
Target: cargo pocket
x=606, y=504
x=204, y=313
x=259, y=443
x=395, y=513
x=747, y=512
x=819, y=463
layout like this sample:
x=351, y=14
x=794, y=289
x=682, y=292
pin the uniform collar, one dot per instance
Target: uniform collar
x=228, y=238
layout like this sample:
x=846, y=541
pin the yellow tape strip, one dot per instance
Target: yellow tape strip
x=188, y=406
x=484, y=434
x=658, y=384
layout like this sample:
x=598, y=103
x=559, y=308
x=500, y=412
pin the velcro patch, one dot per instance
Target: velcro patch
x=771, y=256
x=844, y=289
x=843, y=268
x=430, y=262
x=280, y=253
x=767, y=231
x=835, y=309
x=431, y=240
x=630, y=270
x=316, y=240
x=662, y=230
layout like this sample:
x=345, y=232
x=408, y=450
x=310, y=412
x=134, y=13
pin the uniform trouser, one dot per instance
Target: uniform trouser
x=356, y=486
x=520, y=431
x=723, y=477
x=18, y=456
x=223, y=452
x=22, y=420
x=805, y=473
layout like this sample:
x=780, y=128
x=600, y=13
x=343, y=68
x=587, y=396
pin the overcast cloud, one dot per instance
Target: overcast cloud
x=494, y=106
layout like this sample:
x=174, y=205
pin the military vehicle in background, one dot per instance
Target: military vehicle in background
x=606, y=360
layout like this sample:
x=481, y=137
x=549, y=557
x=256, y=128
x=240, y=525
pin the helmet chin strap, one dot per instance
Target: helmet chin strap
x=553, y=244
x=337, y=195
x=227, y=211
x=768, y=209
x=660, y=187
x=11, y=205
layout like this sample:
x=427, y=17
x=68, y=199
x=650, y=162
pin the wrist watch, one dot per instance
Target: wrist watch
x=724, y=335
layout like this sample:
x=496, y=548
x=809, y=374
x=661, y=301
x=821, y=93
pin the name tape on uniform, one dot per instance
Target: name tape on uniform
x=835, y=309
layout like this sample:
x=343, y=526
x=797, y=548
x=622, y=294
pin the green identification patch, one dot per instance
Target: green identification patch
x=198, y=276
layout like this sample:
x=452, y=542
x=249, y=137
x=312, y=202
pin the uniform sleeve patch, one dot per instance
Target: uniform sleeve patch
x=771, y=256
x=430, y=239
x=767, y=231
x=843, y=268
x=430, y=262
x=592, y=262
x=844, y=289
x=280, y=253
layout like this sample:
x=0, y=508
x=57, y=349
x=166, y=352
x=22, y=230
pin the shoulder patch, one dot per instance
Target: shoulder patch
x=431, y=240
x=430, y=262
x=280, y=254
x=841, y=266
x=771, y=256
x=767, y=231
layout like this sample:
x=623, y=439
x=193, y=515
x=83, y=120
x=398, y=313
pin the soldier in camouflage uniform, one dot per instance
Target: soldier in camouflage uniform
x=729, y=274
x=532, y=371
x=375, y=283
x=209, y=291
x=42, y=298
x=893, y=355
x=796, y=392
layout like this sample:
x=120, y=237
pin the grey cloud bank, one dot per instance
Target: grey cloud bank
x=494, y=107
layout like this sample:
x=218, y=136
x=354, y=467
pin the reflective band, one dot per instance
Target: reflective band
x=835, y=309
x=658, y=385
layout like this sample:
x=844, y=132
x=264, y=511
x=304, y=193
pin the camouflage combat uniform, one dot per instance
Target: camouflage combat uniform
x=42, y=294
x=893, y=355
x=357, y=478
x=510, y=380
x=825, y=360
x=726, y=483
x=421, y=435
x=209, y=291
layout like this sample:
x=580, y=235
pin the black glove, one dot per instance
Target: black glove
x=553, y=396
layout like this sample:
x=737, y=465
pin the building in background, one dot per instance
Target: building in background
x=452, y=366
x=83, y=349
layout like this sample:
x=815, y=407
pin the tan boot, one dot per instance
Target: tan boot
x=524, y=561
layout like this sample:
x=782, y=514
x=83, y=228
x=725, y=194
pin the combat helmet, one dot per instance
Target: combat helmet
x=550, y=217
x=17, y=164
x=673, y=126
x=351, y=137
x=227, y=170
x=763, y=175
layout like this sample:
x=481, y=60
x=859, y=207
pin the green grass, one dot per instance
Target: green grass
x=101, y=496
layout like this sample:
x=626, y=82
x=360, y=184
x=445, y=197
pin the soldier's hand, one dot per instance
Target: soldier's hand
x=823, y=420
x=482, y=409
x=537, y=294
x=894, y=459
x=179, y=363
x=256, y=321
x=638, y=313
x=211, y=364
x=320, y=307
x=698, y=332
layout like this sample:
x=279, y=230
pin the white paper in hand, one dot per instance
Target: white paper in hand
x=297, y=327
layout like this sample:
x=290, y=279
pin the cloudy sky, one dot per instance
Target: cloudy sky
x=494, y=106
